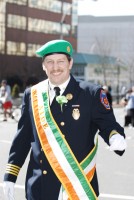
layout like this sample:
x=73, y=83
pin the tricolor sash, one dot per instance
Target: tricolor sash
x=74, y=177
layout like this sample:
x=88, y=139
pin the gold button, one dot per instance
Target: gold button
x=62, y=123
x=44, y=172
x=41, y=161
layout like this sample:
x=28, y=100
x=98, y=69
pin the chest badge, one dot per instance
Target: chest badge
x=76, y=113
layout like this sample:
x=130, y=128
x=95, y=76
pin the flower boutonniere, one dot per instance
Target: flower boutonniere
x=61, y=100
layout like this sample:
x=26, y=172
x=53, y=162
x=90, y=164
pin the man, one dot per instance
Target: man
x=61, y=132
x=5, y=98
x=130, y=106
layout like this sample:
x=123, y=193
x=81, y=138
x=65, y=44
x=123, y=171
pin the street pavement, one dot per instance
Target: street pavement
x=115, y=173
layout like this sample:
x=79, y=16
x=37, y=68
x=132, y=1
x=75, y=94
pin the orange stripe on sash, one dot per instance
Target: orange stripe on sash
x=90, y=174
x=48, y=150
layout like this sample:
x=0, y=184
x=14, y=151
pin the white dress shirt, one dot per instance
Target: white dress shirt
x=51, y=89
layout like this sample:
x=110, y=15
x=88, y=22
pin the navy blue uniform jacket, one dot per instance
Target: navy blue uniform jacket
x=41, y=182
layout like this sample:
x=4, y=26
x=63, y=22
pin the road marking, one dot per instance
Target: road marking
x=6, y=141
x=112, y=196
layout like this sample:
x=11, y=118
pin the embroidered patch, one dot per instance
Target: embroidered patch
x=104, y=100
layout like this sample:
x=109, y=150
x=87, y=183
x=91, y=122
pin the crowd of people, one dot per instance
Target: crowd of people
x=127, y=100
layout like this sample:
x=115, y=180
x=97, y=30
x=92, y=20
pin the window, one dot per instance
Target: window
x=20, y=2
x=67, y=8
x=2, y=44
x=50, y=5
x=78, y=70
x=2, y=31
x=16, y=48
x=16, y=21
x=32, y=48
x=47, y=26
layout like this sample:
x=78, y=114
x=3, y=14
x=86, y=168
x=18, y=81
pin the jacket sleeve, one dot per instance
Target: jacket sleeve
x=21, y=143
x=103, y=116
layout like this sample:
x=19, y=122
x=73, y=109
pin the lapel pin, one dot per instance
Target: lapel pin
x=69, y=96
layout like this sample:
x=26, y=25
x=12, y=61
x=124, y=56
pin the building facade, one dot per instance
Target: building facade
x=25, y=25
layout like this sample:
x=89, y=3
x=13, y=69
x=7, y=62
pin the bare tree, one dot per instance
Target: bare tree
x=103, y=48
x=130, y=66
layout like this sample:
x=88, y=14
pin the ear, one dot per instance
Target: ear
x=71, y=63
x=43, y=66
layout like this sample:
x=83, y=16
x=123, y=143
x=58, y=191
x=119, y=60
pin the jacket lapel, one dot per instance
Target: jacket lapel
x=71, y=89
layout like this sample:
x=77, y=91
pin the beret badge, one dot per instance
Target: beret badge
x=68, y=48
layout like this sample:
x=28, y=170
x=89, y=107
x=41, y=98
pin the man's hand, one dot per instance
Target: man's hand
x=117, y=143
x=8, y=188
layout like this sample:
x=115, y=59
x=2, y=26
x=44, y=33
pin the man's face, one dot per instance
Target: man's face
x=57, y=68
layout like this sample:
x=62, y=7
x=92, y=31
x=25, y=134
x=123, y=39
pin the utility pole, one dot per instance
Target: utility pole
x=118, y=79
x=61, y=25
x=63, y=20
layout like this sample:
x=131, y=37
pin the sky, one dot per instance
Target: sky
x=106, y=7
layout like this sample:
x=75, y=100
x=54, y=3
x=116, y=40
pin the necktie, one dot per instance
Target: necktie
x=57, y=91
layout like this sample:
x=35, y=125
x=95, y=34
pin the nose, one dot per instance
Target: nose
x=55, y=65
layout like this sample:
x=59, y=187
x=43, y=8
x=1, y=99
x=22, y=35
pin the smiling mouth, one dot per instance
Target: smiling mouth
x=57, y=73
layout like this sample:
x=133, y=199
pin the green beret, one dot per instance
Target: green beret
x=55, y=46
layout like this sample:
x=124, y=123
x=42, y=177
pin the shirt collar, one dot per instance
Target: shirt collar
x=62, y=86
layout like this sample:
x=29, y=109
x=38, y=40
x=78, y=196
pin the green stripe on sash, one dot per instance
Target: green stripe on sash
x=90, y=157
x=67, y=152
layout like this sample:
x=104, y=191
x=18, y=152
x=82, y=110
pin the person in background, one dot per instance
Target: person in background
x=124, y=102
x=59, y=125
x=123, y=91
x=130, y=107
x=109, y=96
x=5, y=98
